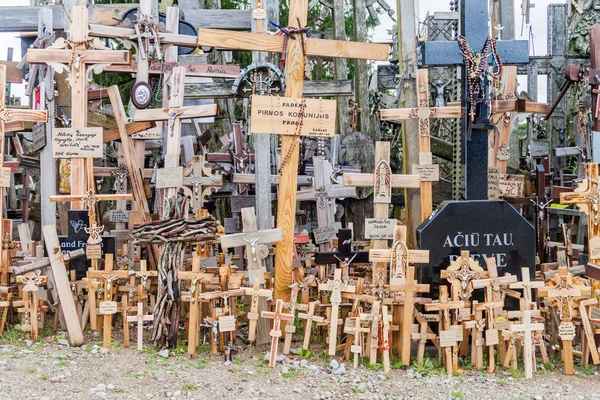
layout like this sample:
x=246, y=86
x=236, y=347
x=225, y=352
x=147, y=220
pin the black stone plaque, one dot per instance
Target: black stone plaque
x=239, y=202
x=77, y=239
x=484, y=228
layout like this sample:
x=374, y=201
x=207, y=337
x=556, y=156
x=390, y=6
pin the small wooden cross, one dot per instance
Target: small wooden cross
x=565, y=291
x=251, y=238
x=385, y=338
x=494, y=284
x=238, y=156
x=336, y=286
x=276, y=316
x=354, y=110
x=444, y=306
x=491, y=334
x=144, y=275
x=409, y=288
x=423, y=113
x=255, y=292
x=292, y=306
x=309, y=317
x=423, y=335
x=202, y=181
x=354, y=327
x=374, y=319
x=527, y=328
x=30, y=284
x=139, y=319
x=526, y=284
x=461, y=273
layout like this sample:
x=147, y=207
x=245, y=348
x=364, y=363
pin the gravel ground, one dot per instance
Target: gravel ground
x=49, y=369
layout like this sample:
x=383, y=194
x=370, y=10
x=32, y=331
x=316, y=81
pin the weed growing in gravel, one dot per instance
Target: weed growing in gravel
x=201, y=364
x=304, y=353
x=180, y=349
x=292, y=373
x=61, y=336
x=373, y=367
x=16, y=356
x=588, y=370
x=235, y=369
x=32, y=370
x=115, y=345
x=356, y=389
x=61, y=363
x=119, y=390
x=457, y=396
x=11, y=336
x=189, y=386
x=549, y=367
x=238, y=361
x=399, y=364
x=203, y=349
x=517, y=373
x=44, y=377
x=424, y=366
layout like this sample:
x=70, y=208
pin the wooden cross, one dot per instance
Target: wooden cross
x=491, y=334
x=30, y=284
x=173, y=115
x=276, y=316
x=399, y=256
x=385, y=337
x=526, y=284
x=290, y=327
x=373, y=318
x=564, y=291
x=587, y=199
x=527, y=328
x=345, y=256
x=461, y=273
x=324, y=192
x=295, y=68
x=493, y=283
x=252, y=239
x=589, y=340
x=423, y=113
x=354, y=110
x=10, y=116
x=108, y=307
x=309, y=316
x=139, y=319
x=202, y=182
x=255, y=292
x=238, y=156
x=409, y=288
x=444, y=306
x=382, y=181
x=354, y=327
x=336, y=286
x=423, y=335
x=75, y=52
x=144, y=275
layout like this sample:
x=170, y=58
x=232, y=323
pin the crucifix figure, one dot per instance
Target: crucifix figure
x=238, y=156
x=276, y=316
x=354, y=110
x=461, y=273
x=296, y=55
x=526, y=284
x=475, y=35
x=345, y=256
x=74, y=55
x=336, y=286
x=202, y=181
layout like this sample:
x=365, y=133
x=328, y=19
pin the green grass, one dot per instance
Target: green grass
x=61, y=336
x=588, y=370
x=119, y=390
x=12, y=336
x=189, y=386
x=31, y=371
x=304, y=353
x=373, y=367
x=292, y=373
x=201, y=364
x=517, y=373
x=61, y=363
x=549, y=367
x=356, y=389
x=399, y=364
x=457, y=396
x=44, y=377
x=425, y=367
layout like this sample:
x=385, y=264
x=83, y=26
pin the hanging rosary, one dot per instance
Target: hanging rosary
x=477, y=72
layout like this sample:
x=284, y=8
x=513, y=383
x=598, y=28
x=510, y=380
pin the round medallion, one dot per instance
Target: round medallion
x=141, y=95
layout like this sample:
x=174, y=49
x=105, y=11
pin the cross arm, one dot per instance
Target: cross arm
x=330, y=257
x=102, y=197
x=188, y=112
x=264, y=236
x=438, y=53
x=368, y=180
x=414, y=256
x=331, y=193
x=121, y=274
x=519, y=105
x=41, y=56
x=116, y=32
x=132, y=128
x=21, y=115
x=503, y=280
x=313, y=47
x=489, y=305
x=216, y=295
x=413, y=113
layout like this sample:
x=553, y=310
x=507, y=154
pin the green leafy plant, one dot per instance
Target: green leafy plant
x=457, y=396
x=399, y=364
x=517, y=373
x=190, y=386
x=424, y=367
x=588, y=370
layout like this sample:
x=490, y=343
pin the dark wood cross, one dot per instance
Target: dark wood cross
x=474, y=19
x=344, y=256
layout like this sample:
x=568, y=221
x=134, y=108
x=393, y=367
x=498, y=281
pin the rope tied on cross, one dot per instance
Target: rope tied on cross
x=290, y=32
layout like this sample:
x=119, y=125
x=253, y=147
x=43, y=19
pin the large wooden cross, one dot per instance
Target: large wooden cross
x=382, y=181
x=9, y=116
x=295, y=69
x=587, y=199
x=423, y=113
x=77, y=55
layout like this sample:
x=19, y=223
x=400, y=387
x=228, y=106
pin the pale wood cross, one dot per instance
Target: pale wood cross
x=374, y=319
x=445, y=306
x=140, y=318
x=202, y=181
x=588, y=338
x=295, y=68
x=255, y=292
x=423, y=113
x=292, y=306
x=565, y=291
x=587, y=199
x=409, y=288
x=276, y=316
x=461, y=273
x=252, y=239
x=526, y=284
x=354, y=327
x=491, y=334
x=30, y=284
x=527, y=328
x=75, y=52
x=336, y=286
x=382, y=181
x=385, y=337
x=423, y=335
x=309, y=316
x=495, y=286
x=8, y=117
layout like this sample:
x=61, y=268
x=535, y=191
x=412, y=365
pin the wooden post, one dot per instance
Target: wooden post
x=63, y=287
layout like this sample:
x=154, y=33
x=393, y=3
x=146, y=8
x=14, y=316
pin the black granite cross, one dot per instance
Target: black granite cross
x=344, y=255
x=474, y=26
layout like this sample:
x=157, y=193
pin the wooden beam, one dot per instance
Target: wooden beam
x=191, y=112
x=313, y=47
x=107, y=171
x=13, y=74
x=222, y=90
x=91, y=56
x=132, y=128
x=105, y=197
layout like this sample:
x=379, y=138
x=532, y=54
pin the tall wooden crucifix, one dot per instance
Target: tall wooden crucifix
x=75, y=52
x=294, y=72
x=475, y=29
x=9, y=116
